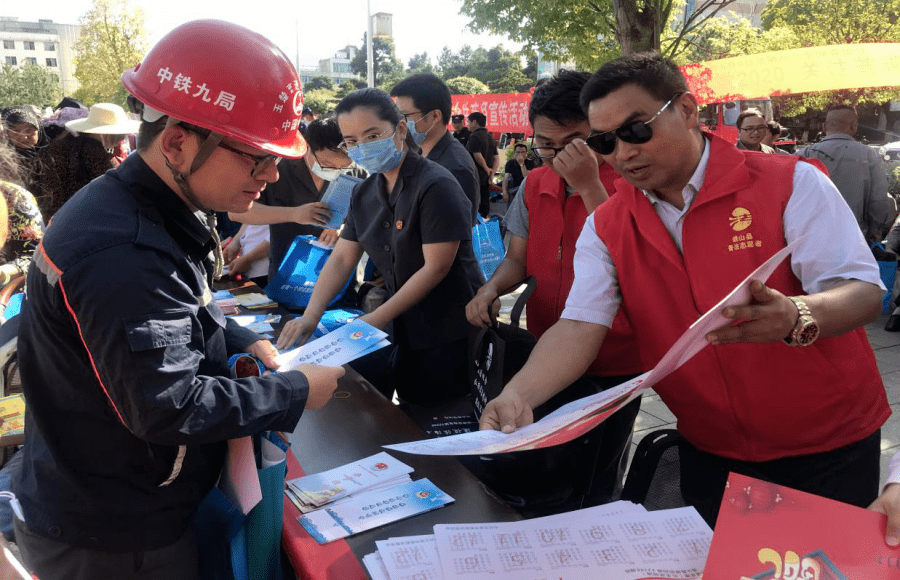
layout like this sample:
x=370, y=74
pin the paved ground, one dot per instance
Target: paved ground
x=655, y=415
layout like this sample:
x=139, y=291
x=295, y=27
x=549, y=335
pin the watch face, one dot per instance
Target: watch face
x=808, y=333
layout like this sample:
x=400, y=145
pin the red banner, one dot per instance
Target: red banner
x=505, y=112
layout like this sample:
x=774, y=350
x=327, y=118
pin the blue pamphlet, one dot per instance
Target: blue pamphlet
x=374, y=509
x=337, y=196
x=336, y=348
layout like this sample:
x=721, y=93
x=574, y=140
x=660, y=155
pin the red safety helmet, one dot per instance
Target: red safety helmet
x=225, y=78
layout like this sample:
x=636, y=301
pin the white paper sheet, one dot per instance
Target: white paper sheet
x=577, y=545
x=578, y=417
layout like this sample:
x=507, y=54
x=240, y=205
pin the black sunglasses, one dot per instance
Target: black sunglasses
x=636, y=132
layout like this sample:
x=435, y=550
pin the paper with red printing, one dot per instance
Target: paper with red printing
x=771, y=532
x=579, y=417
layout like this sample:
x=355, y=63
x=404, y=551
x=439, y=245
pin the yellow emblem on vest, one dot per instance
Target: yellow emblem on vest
x=740, y=219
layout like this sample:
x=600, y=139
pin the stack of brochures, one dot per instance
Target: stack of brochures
x=259, y=323
x=255, y=300
x=620, y=540
x=361, y=495
x=226, y=301
x=12, y=415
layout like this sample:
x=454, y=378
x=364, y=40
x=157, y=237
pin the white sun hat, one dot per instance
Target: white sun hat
x=105, y=119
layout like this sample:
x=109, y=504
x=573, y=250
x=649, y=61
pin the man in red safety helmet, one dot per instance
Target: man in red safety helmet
x=122, y=350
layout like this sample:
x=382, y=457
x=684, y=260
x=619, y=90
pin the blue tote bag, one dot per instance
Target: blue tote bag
x=487, y=243
x=292, y=284
x=232, y=545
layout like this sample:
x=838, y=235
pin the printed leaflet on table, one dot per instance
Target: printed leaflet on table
x=336, y=348
x=373, y=509
x=579, y=417
x=620, y=540
x=328, y=486
x=12, y=413
x=767, y=532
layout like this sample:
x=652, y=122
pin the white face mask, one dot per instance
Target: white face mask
x=329, y=174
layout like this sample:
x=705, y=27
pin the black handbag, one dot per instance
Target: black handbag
x=537, y=482
x=498, y=351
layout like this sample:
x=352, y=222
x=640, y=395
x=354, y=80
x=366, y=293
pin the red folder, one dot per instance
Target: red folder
x=771, y=532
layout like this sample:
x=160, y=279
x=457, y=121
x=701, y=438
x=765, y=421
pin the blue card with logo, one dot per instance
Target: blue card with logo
x=337, y=196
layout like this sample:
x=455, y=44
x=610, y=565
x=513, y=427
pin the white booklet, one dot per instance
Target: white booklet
x=579, y=417
x=328, y=486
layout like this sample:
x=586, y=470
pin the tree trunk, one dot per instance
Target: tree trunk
x=637, y=25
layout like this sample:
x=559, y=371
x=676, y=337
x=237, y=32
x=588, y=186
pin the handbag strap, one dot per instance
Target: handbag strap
x=516, y=312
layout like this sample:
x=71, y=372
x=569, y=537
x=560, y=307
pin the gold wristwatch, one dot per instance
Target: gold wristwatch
x=806, y=331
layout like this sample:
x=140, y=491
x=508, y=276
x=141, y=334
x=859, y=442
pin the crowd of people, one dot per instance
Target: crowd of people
x=631, y=218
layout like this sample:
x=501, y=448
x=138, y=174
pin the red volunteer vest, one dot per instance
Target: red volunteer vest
x=554, y=224
x=753, y=402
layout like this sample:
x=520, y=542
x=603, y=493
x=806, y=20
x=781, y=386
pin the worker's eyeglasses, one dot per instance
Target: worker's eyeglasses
x=636, y=132
x=546, y=152
x=755, y=129
x=261, y=163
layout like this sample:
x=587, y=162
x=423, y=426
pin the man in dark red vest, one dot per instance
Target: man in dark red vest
x=790, y=392
x=544, y=225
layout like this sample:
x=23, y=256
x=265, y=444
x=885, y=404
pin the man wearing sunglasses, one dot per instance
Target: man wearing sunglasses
x=544, y=223
x=790, y=391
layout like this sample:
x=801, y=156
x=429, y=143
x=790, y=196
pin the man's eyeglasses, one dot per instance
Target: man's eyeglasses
x=316, y=157
x=546, y=152
x=261, y=163
x=636, y=132
x=755, y=129
x=406, y=116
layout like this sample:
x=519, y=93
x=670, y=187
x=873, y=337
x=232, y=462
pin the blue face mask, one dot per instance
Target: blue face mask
x=376, y=156
x=419, y=138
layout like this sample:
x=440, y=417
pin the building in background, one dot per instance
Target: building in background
x=337, y=67
x=44, y=43
x=383, y=24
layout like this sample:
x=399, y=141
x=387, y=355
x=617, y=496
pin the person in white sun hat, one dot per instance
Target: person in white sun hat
x=109, y=124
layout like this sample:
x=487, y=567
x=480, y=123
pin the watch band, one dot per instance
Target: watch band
x=802, y=308
x=806, y=330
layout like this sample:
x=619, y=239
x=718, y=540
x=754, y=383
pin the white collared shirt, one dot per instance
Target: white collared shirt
x=833, y=250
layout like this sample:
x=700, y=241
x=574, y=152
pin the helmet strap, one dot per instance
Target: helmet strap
x=181, y=179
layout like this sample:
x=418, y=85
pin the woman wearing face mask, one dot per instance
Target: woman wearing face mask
x=412, y=218
x=291, y=206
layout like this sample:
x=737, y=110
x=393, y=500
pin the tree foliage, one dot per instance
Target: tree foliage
x=420, y=63
x=591, y=32
x=387, y=65
x=820, y=22
x=113, y=39
x=322, y=101
x=317, y=83
x=466, y=86
x=28, y=85
x=497, y=67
